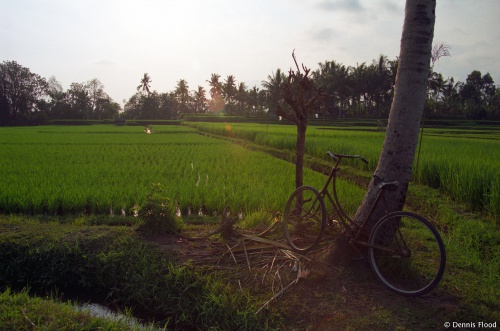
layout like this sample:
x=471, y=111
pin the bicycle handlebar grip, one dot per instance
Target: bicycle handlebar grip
x=336, y=156
x=363, y=159
x=331, y=155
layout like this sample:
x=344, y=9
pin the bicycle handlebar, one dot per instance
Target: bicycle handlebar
x=339, y=156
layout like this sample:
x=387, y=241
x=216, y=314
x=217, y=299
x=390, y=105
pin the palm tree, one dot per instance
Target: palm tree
x=229, y=93
x=216, y=103
x=343, y=87
x=145, y=81
x=272, y=87
x=182, y=96
x=326, y=78
x=400, y=144
x=436, y=85
x=358, y=75
x=383, y=83
x=253, y=100
x=200, y=100
x=214, y=85
x=241, y=97
x=451, y=96
x=392, y=67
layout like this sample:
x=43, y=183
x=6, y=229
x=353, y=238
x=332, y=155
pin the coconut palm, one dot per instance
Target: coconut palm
x=182, y=95
x=272, y=87
x=229, y=93
x=400, y=144
x=216, y=103
x=325, y=77
x=451, y=96
x=383, y=83
x=214, y=86
x=358, y=75
x=241, y=97
x=200, y=100
x=253, y=100
x=144, y=86
x=435, y=85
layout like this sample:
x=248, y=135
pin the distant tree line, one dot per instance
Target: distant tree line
x=364, y=90
x=27, y=98
x=225, y=96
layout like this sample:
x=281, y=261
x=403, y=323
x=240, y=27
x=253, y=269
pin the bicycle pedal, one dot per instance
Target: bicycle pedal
x=333, y=222
x=353, y=245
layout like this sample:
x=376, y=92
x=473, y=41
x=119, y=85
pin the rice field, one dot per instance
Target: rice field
x=463, y=163
x=104, y=169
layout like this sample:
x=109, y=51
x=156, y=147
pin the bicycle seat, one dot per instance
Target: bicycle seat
x=391, y=186
x=385, y=185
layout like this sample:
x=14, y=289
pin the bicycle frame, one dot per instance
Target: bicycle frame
x=344, y=218
x=334, y=201
x=404, y=249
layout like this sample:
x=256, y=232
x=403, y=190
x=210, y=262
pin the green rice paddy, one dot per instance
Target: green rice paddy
x=462, y=163
x=107, y=169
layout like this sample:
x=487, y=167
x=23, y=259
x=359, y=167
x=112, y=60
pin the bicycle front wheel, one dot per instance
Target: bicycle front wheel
x=304, y=219
x=407, y=253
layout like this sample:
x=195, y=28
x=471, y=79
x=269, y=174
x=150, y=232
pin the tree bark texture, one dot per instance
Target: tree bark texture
x=300, y=95
x=398, y=151
x=400, y=144
x=300, y=149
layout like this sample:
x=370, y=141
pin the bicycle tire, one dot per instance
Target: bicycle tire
x=304, y=219
x=417, y=262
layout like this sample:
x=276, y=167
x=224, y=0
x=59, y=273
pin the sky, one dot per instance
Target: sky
x=117, y=41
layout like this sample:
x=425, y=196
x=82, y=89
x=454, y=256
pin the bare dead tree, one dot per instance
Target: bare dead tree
x=301, y=96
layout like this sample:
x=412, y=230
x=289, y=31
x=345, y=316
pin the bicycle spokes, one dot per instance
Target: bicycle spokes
x=304, y=219
x=407, y=253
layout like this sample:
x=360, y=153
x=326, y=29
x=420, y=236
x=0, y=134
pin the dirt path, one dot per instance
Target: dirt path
x=325, y=297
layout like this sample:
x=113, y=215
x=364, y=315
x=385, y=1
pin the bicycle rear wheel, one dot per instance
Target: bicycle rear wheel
x=304, y=219
x=407, y=253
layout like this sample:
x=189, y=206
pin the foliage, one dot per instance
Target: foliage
x=20, y=311
x=113, y=262
x=158, y=213
x=364, y=90
x=144, y=85
x=105, y=169
x=301, y=97
x=84, y=101
x=21, y=93
x=463, y=162
x=273, y=87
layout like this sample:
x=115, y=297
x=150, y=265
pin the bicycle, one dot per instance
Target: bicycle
x=405, y=250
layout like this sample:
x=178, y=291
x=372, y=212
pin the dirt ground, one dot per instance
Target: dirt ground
x=313, y=291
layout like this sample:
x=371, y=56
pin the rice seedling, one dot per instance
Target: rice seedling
x=464, y=164
x=109, y=170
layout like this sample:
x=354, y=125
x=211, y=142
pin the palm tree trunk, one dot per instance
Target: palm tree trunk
x=398, y=151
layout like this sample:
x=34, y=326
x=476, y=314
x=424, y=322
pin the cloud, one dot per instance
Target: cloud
x=324, y=35
x=393, y=7
x=346, y=5
x=104, y=62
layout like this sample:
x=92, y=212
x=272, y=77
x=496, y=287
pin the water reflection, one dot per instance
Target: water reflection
x=100, y=311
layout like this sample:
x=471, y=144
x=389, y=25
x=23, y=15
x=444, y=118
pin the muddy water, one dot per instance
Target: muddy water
x=100, y=311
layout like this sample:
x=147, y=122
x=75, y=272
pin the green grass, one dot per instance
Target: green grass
x=72, y=177
x=114, y=263
x=20, y=311
x=464, y=164
x=106, y=169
